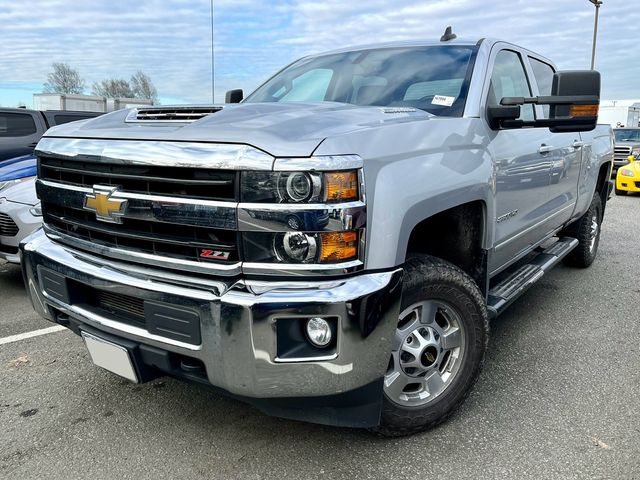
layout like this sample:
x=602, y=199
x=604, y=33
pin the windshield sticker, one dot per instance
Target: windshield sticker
x=443, y=100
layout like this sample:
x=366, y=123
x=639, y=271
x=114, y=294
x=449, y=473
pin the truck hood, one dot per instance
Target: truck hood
x=280, y=129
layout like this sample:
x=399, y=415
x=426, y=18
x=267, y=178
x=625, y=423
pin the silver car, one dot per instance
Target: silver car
x=20, y=215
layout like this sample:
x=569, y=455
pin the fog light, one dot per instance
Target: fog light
x=319, y=332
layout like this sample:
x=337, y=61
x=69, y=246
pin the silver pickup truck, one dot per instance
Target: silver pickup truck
x=332, y=247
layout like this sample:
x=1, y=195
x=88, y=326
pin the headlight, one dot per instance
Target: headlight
x=299, y=187
x=36, y=210
x=300, y=247
x=625, y=172
x=635, y=152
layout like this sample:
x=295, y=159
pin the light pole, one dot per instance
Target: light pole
x=597, y=4
x=213, y=59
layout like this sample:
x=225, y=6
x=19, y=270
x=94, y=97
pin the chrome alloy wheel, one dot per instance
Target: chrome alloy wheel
x=428, y=349
x=593, y=232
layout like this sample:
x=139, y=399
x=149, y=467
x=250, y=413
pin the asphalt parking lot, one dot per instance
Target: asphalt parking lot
x=559, y=398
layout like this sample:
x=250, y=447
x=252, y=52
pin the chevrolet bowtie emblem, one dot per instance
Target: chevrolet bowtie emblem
x=107, y=209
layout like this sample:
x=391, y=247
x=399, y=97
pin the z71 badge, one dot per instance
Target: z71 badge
x=214, y=254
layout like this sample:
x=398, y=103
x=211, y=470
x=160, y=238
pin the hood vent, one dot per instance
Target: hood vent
x=170, y=114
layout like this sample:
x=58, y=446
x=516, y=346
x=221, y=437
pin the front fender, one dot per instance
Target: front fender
x=406, y=193
x=414, y=170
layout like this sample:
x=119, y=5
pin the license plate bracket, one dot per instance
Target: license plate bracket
x=111, y=356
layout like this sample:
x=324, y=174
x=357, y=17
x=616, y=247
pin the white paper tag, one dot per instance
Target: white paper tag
x=443, y=100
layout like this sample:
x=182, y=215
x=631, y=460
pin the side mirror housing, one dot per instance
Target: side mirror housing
x=498, y=113
x=574, y=104
x=572, y=85
x=234, y=96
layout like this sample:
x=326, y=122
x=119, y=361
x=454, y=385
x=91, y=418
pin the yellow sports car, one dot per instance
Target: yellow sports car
x=628, y=178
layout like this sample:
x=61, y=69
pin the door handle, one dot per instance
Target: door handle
x=544, y=149
x=577, y=144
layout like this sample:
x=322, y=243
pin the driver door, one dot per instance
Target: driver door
x=522, y=167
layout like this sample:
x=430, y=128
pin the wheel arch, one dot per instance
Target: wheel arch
x=462, y=238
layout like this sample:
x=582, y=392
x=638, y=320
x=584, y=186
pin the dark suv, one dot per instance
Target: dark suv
x=20, y=129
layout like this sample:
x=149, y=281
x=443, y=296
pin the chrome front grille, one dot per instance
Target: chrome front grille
x=181, y=200
x=621, y=153
x=8, y=227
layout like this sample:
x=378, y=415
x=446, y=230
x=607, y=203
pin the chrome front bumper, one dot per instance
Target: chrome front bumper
x=237, y=320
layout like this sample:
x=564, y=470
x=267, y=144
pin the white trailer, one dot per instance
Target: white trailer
x=114, y=104
x=620, y=113
x=66, y=101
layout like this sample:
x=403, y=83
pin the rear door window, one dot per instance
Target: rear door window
x=16, y=125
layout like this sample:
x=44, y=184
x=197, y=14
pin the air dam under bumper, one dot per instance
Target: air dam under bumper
x=237, y=320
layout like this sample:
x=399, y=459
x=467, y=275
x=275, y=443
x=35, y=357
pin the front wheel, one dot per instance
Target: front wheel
x=587, y=230
x=620, y=192
x=438, y=349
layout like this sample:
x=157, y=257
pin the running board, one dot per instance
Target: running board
x=502, y=295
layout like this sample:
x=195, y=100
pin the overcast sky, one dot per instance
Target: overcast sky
x=171, y=39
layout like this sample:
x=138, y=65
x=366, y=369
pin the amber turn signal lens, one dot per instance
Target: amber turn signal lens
x=341, y=186
x=584, y=111
x=338, y=246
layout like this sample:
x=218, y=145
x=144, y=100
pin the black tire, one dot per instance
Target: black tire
x=429, y=278
x=620, y=192
x=582, y=229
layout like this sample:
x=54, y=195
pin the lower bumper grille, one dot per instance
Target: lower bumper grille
x=120, y=305
x=8, y=227
x=175, y=322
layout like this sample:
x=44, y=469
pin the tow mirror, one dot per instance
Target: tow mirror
x=574, y=104
x=234, y=96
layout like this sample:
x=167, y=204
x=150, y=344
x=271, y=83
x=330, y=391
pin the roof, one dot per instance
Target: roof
x=400, y=44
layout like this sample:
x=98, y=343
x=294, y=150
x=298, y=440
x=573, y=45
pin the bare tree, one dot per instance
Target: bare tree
x=113, y=88
x=142, y=86
x=63, y=79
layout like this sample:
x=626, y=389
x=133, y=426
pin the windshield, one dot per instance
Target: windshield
x=628, y=135
x=435, y=79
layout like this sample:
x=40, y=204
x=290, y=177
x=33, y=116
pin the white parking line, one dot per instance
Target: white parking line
x=35, y=333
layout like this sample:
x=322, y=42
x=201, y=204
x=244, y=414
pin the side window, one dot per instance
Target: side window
x=16, y=125
x=544, y=78
x=311, y=86
x=510, y=80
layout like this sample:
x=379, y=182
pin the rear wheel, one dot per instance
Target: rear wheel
x=587, y=231
x=438, y=348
